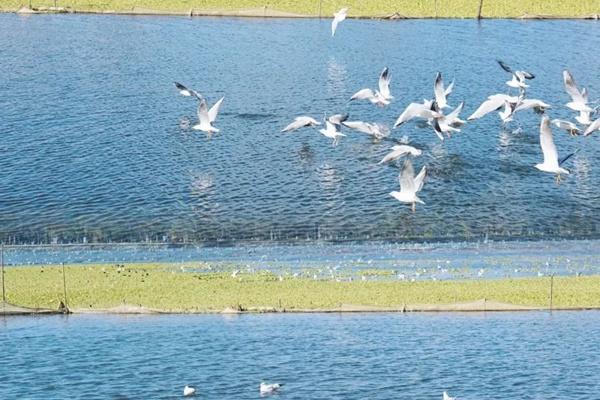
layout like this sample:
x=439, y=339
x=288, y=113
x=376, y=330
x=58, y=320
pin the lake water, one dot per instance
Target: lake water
x=532, y=355
x=92, y=148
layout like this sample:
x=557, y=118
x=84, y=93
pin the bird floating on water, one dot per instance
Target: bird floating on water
x=381, y=97
x=410, y=185
x=269, y=388
x=337, y=18
x=189, y=391
x=300, y=122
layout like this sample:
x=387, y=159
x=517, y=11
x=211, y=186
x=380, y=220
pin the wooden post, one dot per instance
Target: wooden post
x=2, y=268
x=64, y=284
x=479, y=10
x=551, y=290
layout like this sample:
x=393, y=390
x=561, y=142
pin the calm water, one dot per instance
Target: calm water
x=92, y=147
x=385, y=356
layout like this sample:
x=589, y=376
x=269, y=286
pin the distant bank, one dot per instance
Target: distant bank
x=399, y=9
x=196, y=288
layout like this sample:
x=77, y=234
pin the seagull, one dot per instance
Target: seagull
x=398, y=151
x=269, y=388
x=440, y=92
x=447, y=123
x=184, y=91
x=537, y=105
x=337, y=18
x=376, y=130
x=300, y=122
x=446, y=396
x=595, y=126
x=518, y=77
x=207, y=117
x=579, y=99
x=584, y=116
x=380, y=97
x=417, y=110
x=568, y=126
x=551, y=162
x=337, y=119
x=495, y=102
x=332, y=132
x=410, y=185
x=189, y=391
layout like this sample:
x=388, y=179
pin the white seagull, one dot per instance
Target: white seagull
x=207, y=117
x=551, y=162
x=410, y=185
x=269, y=388
x=518, y=77
x=337, y=18
x=184, y=91
x=579, y=98
x=189, y=391
x=332, y=131
x=595, y=126
x=495, y=102
x=379, y=97
x=417, y=110
x=398, y=151
x=568, y=126
x=537, y=105
x=446, y=396
x=584, y=116
x=440, y=92
x=378, y=131
x=300, y=122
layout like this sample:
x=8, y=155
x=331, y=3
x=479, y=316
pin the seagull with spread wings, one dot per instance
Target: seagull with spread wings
x=410, y=185
x=381, y=97
x=337, y=18
x=551, y=162
x=300, y=122
x=206, y=117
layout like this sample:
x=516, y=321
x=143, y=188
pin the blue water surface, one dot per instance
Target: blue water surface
x=92, y=147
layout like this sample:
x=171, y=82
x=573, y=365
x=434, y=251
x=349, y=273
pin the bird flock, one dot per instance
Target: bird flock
x=436, y=112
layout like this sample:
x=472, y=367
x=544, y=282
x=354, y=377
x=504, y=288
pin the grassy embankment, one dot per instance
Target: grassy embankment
x=358, y=8
x=167, y=287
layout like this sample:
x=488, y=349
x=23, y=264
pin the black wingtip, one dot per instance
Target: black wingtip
x=504, y=66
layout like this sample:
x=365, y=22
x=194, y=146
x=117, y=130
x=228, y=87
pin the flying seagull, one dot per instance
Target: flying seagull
x=595, y=126
x=337, y=18
x=269, y=388
x=417, y=110
x=376, y=130
x=332, y=131
x=337, y=119
x=410, y=185
x=578, y=98
x=379, y=97
x=495, y=102
x=207, y=117
x=518, y=77
x=398, y=151
x=189, y=391
x=568, y=126
x=300, y=122
x=440, y=92
x=551, y=162
x=184, y=91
